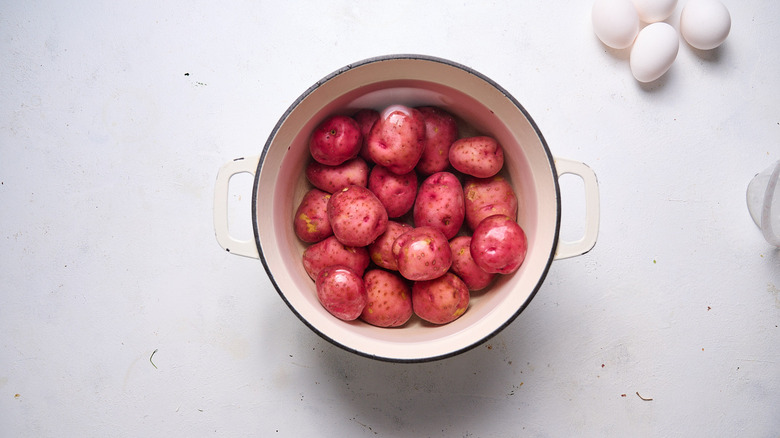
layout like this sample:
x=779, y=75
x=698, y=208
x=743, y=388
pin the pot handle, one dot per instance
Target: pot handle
x=246, y=248
x=592, y=209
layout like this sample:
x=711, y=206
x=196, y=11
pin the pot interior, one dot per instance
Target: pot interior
x=489, y=110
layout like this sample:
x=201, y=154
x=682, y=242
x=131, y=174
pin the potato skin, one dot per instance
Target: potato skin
x=335, y=140
x=441, y=130
x=334, y=178
x=488, y=196
x=397, y=139
x=365, y=118
x=389, y=299
x=356, y=216
x=422, y=253
x=381, y=250
x=480, y=157
x=331, y=252
x=396, y=192
x=342, y=292
x=464, y=267
x=499, y=245
x=311, y=222
x=440, y=204
x=441, y=300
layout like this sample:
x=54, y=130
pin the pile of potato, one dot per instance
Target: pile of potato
x=384, y=246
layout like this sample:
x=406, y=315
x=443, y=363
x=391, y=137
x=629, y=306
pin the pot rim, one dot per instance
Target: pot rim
x=383, y=58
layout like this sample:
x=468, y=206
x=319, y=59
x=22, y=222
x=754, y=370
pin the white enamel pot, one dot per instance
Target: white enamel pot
x=279, y=185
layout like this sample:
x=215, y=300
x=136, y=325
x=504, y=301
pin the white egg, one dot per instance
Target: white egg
x=651, y=11
x=705, y=24
x=615, y=22
x=654, y=51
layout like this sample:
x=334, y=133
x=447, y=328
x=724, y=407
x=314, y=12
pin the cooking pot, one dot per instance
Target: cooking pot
x=413, y=80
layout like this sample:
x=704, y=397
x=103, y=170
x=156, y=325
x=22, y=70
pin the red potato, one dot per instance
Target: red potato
x=335, y=140
x=481, y=157
x=464, y=267
x=499, y=245
x=422, y=254
x=486, y=197
x=389, y=299
x=311, y=222
x=396, y=192
x=331, y=252
x=441, y=300
x=356, y=216
x=440, y=204
x=381, y=250
x=341, y=292
x=334, y=178
x=397, y=139
x=441, y=130
x=366, y=118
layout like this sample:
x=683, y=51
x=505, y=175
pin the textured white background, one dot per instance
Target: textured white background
x=115, y=116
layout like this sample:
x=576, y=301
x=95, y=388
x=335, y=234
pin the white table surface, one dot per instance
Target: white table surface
x=115, y=116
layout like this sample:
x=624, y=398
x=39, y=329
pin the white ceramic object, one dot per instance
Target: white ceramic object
x=763, y=201
x=412, y=80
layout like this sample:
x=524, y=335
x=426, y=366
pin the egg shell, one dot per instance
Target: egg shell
x=615, y=22
x=705, y=24
x=654, y=51
x=652, y=11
